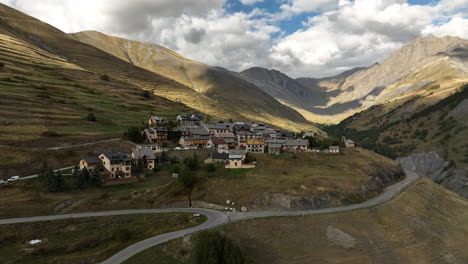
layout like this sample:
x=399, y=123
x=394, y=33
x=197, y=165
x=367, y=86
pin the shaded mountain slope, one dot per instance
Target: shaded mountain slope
x=239, y=98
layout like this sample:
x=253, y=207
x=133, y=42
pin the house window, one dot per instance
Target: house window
x=127, y=168
x=112, y=169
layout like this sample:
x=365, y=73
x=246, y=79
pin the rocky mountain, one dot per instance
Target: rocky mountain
x=225, y=91
x=424, y=62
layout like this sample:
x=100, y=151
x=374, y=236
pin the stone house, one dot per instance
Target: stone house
x=216, y=129
x=255, y=145
x=219, y=144
x=90, y=163
x=117, y=165
x=190, y=120
x=334, y=149
x=199, y=142
x=156, y=121
x=195, y=131
x=144, y=155
x=348, y=143
x=156, y=134
x=274, y=148
x=296, y=145
x=237, y=162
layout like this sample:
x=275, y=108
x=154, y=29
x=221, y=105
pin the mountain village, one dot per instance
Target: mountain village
x=229, y=142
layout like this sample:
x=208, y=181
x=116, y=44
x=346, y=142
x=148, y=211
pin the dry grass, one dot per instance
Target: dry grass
x=425, y=224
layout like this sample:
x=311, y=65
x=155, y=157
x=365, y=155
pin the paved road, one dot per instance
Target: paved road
x=217, y=218
x=84, y=144
x=37, y=175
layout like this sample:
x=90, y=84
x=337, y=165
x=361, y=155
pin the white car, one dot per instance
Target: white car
x=14, y=178
x=2, y=181
x=178, y=148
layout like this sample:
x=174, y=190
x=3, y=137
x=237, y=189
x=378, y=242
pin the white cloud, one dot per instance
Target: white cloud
x=345, y=33
x=360, y=33
x=457, y=26
x=301, y=6
x=250, y=2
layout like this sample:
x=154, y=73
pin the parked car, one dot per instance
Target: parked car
x=14, y=178
x=2, y=181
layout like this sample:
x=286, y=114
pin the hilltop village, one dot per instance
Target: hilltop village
x=229, y=142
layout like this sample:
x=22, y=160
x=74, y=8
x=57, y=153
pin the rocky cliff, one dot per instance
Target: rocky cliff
x=432, y=166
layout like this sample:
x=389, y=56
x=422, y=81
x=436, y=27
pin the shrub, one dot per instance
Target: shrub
x=105, y=77
x=50, y=134
x=124, y=234
x=90, y=117
x=211, y=167
x=146, y=94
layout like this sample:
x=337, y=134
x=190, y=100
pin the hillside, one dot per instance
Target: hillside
x=421, y=64
x=424, y=224
x=432, y=120
x=231, y=96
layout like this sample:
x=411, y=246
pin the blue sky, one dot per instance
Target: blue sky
x=302, y=38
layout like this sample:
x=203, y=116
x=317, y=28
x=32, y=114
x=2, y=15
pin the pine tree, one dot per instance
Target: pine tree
x=78, y=178
x=96, y=178
x=43, y=171
x=50, y=180
x=85, y=177
x=59, y=182
x=188, y=179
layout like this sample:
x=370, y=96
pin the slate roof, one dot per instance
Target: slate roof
x=237, y=152
x=140, y=153
x=198, y=131
x=274, y=145
x=216, y=156
x=334, y=148
x=297, y=142
x=158, y=118
x=116, y=156
x=235, y=156
x=92, y=159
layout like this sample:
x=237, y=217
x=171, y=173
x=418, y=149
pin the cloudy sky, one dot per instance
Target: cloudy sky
x=312, y=38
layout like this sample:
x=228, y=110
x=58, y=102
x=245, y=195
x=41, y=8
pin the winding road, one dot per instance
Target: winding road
x=217, y=218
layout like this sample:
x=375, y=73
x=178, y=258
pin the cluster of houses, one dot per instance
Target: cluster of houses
x=229, y=141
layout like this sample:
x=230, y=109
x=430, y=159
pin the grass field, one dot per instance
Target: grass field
x=312, y=175
x=87, y=239
x=424, y=224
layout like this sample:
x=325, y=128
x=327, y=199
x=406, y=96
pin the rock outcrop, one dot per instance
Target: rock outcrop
x=432, y=166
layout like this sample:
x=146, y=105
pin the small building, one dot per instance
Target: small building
x=219, y=144
x=145, y=156
x=155, y=148
x=178, y=132
x=90, y=163
x=156, y=134
x=190, y=120
x=156, y=121
x=274, y=148
x=196, y=131
x=255, y=145
x=217, y=129
x=296, y=145
x=199, y=142
x=237, y=162
x=241, y=152
x=218, y=158
x=334, y=149
x=348, y=143
x=117, y=165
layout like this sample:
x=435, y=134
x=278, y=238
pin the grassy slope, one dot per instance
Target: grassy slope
x=312, y=175
x=319, y=175
x=89, y=239
x=425, y=224
x=42, y=92
x=223, y=88
x=414, y=124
